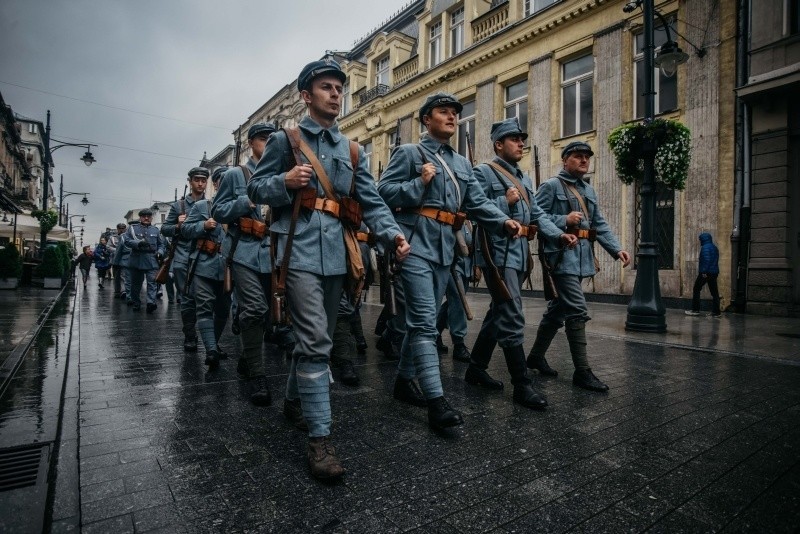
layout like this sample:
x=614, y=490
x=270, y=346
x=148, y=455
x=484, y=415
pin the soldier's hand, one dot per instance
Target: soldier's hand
x=181, y=218
x=210, y=224
x=569, y=240
x=574, y=218
x=403, y=248
x=512, y=228
x=512, y=196
x=624, y=257
x=428, y=172
x=299, y=176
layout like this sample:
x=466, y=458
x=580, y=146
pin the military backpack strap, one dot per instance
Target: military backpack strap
x=524, y=192
x=319, y=170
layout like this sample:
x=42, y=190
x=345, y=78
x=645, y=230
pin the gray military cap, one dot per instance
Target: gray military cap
x=507, y=127
x=199, y=171
x=318, y=68
x=265, y=128
x=145, y=212
x=576, y=146
x=438, y=100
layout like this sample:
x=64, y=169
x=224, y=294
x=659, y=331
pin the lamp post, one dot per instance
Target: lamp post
x=64, y=194
x=646, y=312
x=87, y=158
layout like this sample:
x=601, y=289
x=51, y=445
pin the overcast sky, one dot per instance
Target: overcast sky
x=208, y=63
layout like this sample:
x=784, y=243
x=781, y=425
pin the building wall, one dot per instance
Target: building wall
x=503, y=48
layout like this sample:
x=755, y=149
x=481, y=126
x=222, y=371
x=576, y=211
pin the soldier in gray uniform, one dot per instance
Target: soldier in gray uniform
x=511, y=190
x=427, y=185
x=211, y=302
x=198, y=180
x=572, y=205
x=247, y=243
x=318, y=264
x=119, y=261
x=146, y=249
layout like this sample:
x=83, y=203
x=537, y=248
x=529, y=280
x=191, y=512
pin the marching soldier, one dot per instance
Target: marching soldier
x=146, y=249
x=207, y=270
x=247, y=253
x=198, y=180
x=572, y=205
x=430, y=183
x=511, y=190
x=330, y=168
x=119, y=261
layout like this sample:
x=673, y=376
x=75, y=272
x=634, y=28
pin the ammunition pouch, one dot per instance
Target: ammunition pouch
x=583, y=233
x=253, y=227
x=456, y=220
x=208, y=246
x=529, y=231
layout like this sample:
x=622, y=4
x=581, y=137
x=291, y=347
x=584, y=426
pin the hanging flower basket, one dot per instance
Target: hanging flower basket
x=673, y=141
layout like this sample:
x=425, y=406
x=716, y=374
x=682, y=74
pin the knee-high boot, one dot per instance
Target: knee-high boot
x=583, y=376
x=481, y=355
x=524, y=393
x=536, y=359
x=252, y=338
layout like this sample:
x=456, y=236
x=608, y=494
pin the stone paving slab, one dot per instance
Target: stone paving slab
x=686, y=440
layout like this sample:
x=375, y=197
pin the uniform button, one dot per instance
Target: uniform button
x=323, y=156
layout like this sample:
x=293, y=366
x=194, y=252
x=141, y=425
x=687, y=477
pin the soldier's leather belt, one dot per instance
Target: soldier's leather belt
x=253, y=227
x=529, y=231
x=208, y=246
x=348, y=210
x=363, y=237
x=456, y=220
x=583, y=233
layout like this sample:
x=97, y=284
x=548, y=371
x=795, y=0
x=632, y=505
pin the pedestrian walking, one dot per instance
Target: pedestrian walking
x=427, y=185
x=707, y=273
x=84, y=263
x=331, y=167
x=573, y=206
x=102, y=261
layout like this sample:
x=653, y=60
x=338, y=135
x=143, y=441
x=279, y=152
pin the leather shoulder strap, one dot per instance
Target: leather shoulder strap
x=354, y=162
x=578, y=196
x=246, y=172
x=513, y=179
x=319, y=170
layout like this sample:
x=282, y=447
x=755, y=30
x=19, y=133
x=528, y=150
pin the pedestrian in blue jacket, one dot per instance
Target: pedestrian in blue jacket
x=707, y=273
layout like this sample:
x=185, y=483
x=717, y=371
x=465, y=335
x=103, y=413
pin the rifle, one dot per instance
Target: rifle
x=470, y=152
x=388, y=270
x=462, y=293
x=548, y=284
x=227, y=279
x=162, y=276
x=190, y=273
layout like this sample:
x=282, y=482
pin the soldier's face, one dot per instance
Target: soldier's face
x=257, y=145
x=510, y=148
x=121, y=229
x=145, y=220
x=577, y=163
x=324, y=99
x=198, y=185
x=441, y=122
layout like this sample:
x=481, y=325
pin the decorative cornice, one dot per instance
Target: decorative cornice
x=611, y=29
x=539, y=59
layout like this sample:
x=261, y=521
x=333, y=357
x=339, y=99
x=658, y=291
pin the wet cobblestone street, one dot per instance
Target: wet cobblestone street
x=685, y=441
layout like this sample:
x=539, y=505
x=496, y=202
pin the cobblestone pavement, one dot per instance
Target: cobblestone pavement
x=685, y=441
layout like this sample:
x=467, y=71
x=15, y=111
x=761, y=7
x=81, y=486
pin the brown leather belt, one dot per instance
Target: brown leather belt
x=362, y=237
x=208, y=246
x=456, y=220
x=583, y=233
x=253, y=227
x=331, y=207
x=529, y=231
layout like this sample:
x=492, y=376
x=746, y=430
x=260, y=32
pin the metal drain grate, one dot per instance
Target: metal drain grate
x=21, y=467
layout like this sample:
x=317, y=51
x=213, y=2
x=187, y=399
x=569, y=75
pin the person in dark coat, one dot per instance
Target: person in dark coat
x=102, y=261
x=707, y=273
x=84, y=263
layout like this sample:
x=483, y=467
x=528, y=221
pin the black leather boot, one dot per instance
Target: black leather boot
x=390, y=350
x=479, y=377
x=461, y=352
x=347, y=374
x=190, y=344
x=524, y=394
x=259, y=391
x=536, y=359
x=441, y=348
x=322, y=459
x=407, y=391
x=212, y=360
x=441, y=415
x=584, y=378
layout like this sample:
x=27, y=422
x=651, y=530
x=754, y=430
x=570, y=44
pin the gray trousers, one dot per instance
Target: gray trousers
x=213, y=306
x=506, y=322
x=119, y=278
x=570, y=304
x=137, y=277
x=188, y=312
x=252, y=295
x=452, y=313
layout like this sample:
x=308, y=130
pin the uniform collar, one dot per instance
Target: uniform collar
x=433, y=145
x=315, y=129
x=513, y=169
x=567, y=177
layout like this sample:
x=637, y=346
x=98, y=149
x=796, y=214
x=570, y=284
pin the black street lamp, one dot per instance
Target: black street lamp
x=87, y=158
x=64, y=194
x=646, y=311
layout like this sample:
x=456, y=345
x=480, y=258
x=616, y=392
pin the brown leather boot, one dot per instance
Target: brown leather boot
x=322, y=458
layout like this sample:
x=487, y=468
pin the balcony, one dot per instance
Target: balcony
x=490, y=22
x=372, y=93
x=407, y=70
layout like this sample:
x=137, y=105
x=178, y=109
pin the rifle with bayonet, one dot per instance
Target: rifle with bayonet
x=548, y=284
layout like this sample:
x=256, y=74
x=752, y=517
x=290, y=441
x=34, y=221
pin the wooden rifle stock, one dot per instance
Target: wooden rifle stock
x=462, y=292
x=494, y=280
x=548, y=284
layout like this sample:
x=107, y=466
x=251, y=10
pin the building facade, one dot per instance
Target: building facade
x=568, y=70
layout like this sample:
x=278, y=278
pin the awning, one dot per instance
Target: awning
x=28, y=228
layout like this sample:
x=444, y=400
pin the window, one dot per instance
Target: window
x=517, y=103
x=666, y=88
x=382, y=71
x=435, y=45
x=32, y=128
x=664, y=225
x=532, y=6
x=466, y=123
x=457, y=31
x=367, y=146
x=345, y=99
x=576, y=96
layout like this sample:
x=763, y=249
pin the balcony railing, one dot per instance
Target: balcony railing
x=490, y=22
x=372, y=93
x=406, y=70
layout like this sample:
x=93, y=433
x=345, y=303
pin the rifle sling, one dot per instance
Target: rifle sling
x=522, y=191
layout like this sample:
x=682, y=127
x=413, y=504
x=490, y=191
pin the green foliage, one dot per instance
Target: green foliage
x=10, y=262
x=52, y=265
x=66, y=254
x=47, y=219
x=674, y=142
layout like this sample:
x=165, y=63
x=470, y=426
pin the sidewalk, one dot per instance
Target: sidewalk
x=700, y=432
